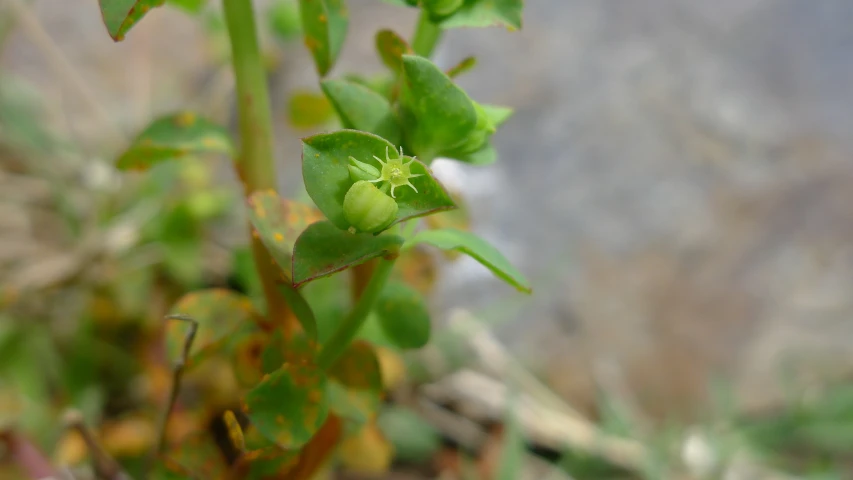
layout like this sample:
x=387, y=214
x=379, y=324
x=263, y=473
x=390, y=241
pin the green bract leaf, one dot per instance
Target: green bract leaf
x=361, y=108
x=174, y=136
x=324, y=25
x=121, y=15
x=391, y=48
x=403, y=316
x=486, y=13
x=323, y=249
x=475, y=247
x=219, y=312
x=437, y=115
x=325, y=160
x=497, y=115
x=355, y=383
x=290, y=405
x=278, y=223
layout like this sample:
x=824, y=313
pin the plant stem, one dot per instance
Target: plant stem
x=426, y=36
x=336, y=345
x=255, y=165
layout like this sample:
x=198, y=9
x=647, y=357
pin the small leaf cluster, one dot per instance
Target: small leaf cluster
x=285, y=404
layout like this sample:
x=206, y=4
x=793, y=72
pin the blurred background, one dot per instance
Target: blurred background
x=676, y=181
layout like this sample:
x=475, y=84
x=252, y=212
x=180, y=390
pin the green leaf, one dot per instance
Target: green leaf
x=290, y=405
x=403, y=316
x=355, y=383
x=402, y=3
x=391, y=48
x=121, y=15
x=486, y=13
x=219, y=312
x=361, y=108
x=191, y=6
x=327, y=178
x=475, y=247
x=486, y=155
x=308, y=109
x=172, y=137
x=415, y=440
x=437, y=115
x=278, y=223
x=323, y=249
x=463, y=66
x=324, y=25
x=497, y=115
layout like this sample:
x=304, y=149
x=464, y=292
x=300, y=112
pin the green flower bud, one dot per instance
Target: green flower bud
x=362, y=171
x=367, y=209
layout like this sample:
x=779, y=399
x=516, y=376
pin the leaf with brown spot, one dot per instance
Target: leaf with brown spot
x=172, y=137
x=309, y=109
x=355, y=383
x=391, y=48
x=324, y=249
x=279, y=222
x=218, y=311
x=324, y=26
x=463, y=66
x=247, y=357
x=121, y=15
x=289, y=405
x=417, y=268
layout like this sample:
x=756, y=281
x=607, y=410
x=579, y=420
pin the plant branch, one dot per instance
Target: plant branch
x=255, y=165
x=105, y=466
x=427, y=35
x=177, y=375
x=342, y=337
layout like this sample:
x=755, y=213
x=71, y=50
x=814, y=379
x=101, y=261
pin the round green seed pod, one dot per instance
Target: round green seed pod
x=367, y=209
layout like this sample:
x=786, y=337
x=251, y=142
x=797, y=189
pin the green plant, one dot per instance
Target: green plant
x=306, y=376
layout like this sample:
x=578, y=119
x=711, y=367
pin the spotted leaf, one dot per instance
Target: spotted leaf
x=324, y=26
x=121, y=15
x=219, y=312
x=355, y=383
x=289, y=405
x=278, y=223
x=172, y=137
